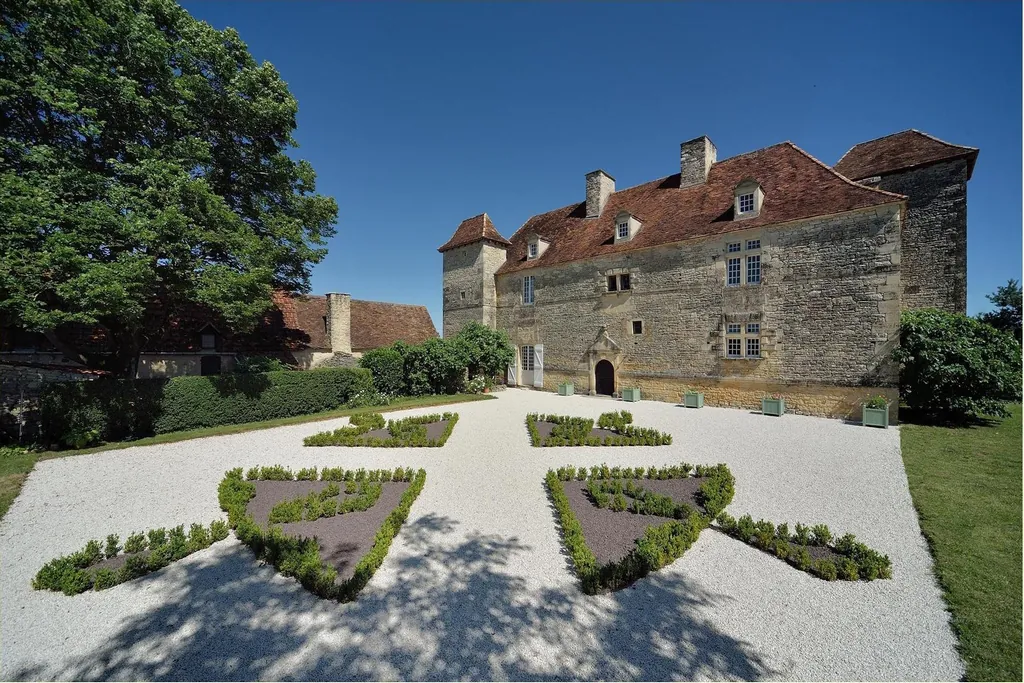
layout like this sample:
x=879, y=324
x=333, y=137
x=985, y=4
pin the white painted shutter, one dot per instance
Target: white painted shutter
x=512, y=374
x=538, y=365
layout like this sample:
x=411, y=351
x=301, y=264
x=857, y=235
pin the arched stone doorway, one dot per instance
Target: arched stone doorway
x=604, y=378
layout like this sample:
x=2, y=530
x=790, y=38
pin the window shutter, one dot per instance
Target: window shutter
x=538, y=365
x=512, y=374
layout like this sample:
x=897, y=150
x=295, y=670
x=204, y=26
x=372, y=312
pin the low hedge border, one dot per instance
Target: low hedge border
x=660, y=545
x=575, y=431
x=326, y=504
x=406, y=432
x=77, y=573
x=299, y=557
x=858, y=560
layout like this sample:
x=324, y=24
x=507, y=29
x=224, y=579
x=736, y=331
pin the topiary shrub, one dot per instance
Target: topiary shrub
x=953, y=367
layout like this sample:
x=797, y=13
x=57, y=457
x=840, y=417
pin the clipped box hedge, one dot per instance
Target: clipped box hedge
x=116, y=410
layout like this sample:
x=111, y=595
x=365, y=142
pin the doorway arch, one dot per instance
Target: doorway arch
x=604, y=378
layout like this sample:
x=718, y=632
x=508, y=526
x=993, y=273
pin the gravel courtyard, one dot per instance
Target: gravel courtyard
x=476, y=585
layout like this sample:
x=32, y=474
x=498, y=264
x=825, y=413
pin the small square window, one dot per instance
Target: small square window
x=623, y=230
x=638, y=327
x=753, y=347
x=624, y=284
x=754, y=269
x=733, y=247
x=733, y=328
x=753, y=328
x=733, y=349
x=732, y=272
x=613, y=283
x=209, y=340
x=532, y=250
x=746, y=203
x=753, y=244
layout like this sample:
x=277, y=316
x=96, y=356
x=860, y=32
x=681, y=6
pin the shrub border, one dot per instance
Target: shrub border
x=338, y=437
x=299, y=557
x=636, y=438
x=73, y=574
x=659, y=546
x=860, y=562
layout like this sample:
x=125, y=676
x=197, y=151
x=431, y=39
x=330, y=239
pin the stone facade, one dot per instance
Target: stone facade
x=469, y=287
x=827, y=304
x=934, y=242
x=339, y=322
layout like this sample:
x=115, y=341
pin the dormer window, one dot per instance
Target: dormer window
x=623, y=229
x=535, y=247
x=533, y=250
x=626, y=226
x=748, y=199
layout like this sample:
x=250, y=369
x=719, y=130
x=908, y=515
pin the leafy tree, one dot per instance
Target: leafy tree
x=437, y=366
x=488, y=351
x=387, y=365
x=143, y=154
x=1007, y=316
x=954, y=367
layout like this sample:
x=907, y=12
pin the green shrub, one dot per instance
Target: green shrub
x=487, y=352
x=79, y=413
x=955, y=367
x=615, y=421
x=826, y=570
x=257, y=364
x=407, y=432
x=437, y=366
x=387, y=365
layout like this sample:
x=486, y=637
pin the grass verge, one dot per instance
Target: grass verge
x=14, y=469
x=966, y=486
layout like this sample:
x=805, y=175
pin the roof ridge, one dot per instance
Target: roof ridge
x=890, y=135
x=840, y=175
x=389, y=303
x=939, y=140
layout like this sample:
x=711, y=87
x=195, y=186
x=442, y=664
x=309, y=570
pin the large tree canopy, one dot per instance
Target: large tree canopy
x=143, y=154
x=1007, y=316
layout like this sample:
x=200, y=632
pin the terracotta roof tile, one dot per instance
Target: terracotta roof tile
x=473, y=230
x=900, y=151
x=376, y=324
x=795, y=184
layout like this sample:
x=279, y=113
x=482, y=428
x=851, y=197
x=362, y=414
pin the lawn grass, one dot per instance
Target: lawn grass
x=14, y=469
x=966, y=486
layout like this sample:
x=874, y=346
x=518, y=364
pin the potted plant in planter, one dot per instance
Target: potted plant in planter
x=875, y=413
x=773, y=404
x=566, y=389
x=693, y=398
x=631, y=394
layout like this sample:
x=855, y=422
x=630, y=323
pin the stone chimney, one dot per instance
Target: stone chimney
x=600, y=186
x=695, y=159
x=339, y=322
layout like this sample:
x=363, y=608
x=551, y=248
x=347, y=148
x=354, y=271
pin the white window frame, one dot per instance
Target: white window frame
x=754, y=342
x=754, y=269
x=529, y=293
x=526, y=355
x=744, y=338
x=623, y=230
x=753, y=245
x=532, y=250
x=730, y=281
x=733, y=247
x=738, y=343
x=748, y=200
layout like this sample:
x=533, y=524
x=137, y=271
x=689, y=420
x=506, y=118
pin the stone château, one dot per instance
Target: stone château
x=768, y=272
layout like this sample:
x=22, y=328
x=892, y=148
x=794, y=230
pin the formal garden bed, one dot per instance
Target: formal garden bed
x=613, y=429
x=370, y=429
x=811, y=549
x=330, y=530
x=103, y=565
x=619, y=524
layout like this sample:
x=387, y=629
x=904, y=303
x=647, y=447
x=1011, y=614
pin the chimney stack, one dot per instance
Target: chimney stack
x=600, y=186
x=695, y=159
x=339, y=326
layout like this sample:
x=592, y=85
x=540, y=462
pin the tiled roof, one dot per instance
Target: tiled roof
x=473, y=230
x=898, y=152
x=376, y=324
x=795, y=185
x=301, y=323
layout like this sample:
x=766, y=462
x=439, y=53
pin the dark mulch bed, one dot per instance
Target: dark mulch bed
x=344, y=539
x=434, y=430
x=610, y=534
x=544, y=429
x=116, y=562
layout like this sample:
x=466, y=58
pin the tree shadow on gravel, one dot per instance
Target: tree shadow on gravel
x=447, y=606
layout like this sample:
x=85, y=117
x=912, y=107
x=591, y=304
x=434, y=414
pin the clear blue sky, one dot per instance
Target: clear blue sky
x=418, y=116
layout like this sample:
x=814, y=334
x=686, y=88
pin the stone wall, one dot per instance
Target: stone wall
x=469, y=287
x=828, y=306
x=934, y=238
x=22, y=379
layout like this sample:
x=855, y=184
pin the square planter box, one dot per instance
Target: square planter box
x=693, y=399
x=875, y=417
x=630, y=394
x=773, y=406
x=566, y=389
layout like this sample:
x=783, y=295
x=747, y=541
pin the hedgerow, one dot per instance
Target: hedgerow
x=299, y=557
x=576, y=431
x=79, y=413
x=856, y=560
x=406, y=432
x=78, y=572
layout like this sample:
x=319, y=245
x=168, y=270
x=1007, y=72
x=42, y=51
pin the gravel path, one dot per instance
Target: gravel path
x=476, y=585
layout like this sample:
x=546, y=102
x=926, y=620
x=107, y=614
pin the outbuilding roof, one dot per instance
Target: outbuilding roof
x=898, y=152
